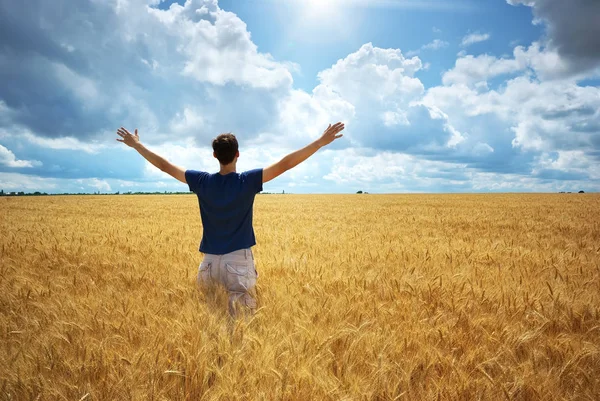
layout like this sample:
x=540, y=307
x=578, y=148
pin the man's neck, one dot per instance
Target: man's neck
x=230, y=168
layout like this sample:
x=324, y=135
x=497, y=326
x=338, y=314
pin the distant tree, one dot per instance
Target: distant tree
x=581, y=192
x=359, y=192
x=1, y=192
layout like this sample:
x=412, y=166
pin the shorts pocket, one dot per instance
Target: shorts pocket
x=204, y=273
x=241, y=276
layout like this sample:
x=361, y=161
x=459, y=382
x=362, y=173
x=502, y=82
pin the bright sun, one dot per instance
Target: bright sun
x=320, y=9
x=322, y=20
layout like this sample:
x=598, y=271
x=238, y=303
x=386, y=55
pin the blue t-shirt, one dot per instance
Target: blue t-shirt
x=225, y=208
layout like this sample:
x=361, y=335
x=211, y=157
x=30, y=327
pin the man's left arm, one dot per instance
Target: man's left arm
x=161, y=163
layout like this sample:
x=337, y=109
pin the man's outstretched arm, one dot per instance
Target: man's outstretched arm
x=163, y=164
x=293, y=159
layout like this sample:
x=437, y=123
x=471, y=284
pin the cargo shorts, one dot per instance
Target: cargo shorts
x=235, y=272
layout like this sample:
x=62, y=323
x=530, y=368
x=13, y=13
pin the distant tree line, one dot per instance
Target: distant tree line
x=21, y=193
x=37, y=193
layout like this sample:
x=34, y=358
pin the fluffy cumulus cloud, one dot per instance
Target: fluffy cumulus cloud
x=546, y=120
x=384, y=94
x=74, y=72
x=542, y=62
x=573, y=28
x=79, y=70
x=8, y=159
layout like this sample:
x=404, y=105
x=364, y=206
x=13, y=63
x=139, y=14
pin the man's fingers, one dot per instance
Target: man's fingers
x=122, y=135
x=339, y=136
x=136, y=134
x=120, y=140
x=124, y=130
x=337, y=128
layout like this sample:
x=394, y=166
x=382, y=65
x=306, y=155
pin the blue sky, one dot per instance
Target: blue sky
x=437, y=96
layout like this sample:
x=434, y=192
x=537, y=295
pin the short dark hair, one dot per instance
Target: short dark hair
x=225, y=147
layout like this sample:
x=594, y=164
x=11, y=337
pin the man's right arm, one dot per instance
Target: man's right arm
x=293, y=159
x=133, y=141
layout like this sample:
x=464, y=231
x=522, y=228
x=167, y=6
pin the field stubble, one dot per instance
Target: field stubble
x=385, y=297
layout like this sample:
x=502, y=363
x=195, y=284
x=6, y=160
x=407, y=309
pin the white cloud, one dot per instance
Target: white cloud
x=373, y=73
x=391, y=118
x=64, y=143
x=483, y=149
x=355, y=168
x=571, y=30
x=100, y=185
x=570, y=161
x=544, y=63
x=455, y=138
x=368, y=85
x=303, y=116
x=502, y=182
x=187, y=121
x=171, y=64
x=436, y=44
x=392, y=171
x=470, y=70
x=25, y=182
x=217, y=46
x=473, y=38
x=542, y=112
x=8, y=159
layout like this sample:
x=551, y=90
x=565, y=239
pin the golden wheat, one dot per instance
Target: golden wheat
x=456, y=297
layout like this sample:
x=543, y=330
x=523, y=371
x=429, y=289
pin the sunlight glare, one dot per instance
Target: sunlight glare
x=320, y=9
x=322, y=21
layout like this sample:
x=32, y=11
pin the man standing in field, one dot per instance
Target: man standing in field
x=226, y=199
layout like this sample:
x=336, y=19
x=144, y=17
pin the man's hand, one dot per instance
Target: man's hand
x=127, y=138
x=331, y=134
x=293, y=159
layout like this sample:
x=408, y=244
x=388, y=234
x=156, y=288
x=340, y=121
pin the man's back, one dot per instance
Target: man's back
x=226, y=200
x=226, y=203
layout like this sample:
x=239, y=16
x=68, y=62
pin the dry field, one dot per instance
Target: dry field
x=363, y=297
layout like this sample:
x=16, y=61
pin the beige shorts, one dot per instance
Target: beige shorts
x=234, y=271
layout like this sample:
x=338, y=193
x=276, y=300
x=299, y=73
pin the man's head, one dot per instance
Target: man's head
x=225, y=148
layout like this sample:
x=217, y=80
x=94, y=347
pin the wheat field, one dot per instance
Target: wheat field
x=362, y=297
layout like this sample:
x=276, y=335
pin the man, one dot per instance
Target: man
x=226, y=199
